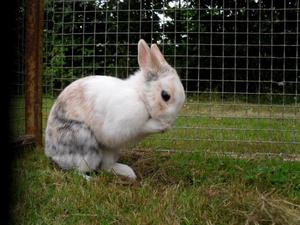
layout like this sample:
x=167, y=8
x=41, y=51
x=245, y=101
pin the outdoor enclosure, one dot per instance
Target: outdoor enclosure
x=233, y=156
x=238, y=62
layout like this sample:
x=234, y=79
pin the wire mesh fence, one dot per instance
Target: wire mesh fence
x=17, y=88
x=238, y=62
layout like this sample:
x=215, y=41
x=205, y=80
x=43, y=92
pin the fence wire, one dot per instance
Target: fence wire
x=238, y=62
x=17, y=87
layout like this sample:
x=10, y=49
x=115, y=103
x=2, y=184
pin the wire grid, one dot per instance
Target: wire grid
x=17, y=88
x=238, y=62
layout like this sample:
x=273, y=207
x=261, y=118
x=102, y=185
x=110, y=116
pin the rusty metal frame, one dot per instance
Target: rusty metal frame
x=33, y=68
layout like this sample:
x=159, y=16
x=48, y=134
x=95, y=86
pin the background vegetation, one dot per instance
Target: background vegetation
x=240, y=48
x=227, y=53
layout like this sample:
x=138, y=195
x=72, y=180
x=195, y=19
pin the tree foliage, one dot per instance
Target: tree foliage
x=229, y=47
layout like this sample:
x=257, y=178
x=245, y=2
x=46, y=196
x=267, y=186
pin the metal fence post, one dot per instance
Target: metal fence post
x=33, y=65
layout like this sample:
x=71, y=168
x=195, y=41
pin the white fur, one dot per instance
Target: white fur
x=118, y=106
x=123, y=111
x=86, y=163
x=123, y=170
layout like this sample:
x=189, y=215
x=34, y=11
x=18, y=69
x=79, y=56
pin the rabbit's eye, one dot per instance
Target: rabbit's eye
x=165, y=96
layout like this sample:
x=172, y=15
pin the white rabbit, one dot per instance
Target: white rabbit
x=95, y=116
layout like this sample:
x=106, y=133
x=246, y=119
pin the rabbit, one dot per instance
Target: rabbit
x=95, y=116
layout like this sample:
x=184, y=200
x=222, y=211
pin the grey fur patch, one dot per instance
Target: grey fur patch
x=165, y=69
x=151, y=76
x=77, y=137
x=59, y=109
x=72, y=137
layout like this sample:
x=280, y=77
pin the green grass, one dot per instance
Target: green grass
x=232, y=127
x=181, y=188
x=216, y=127
x=198, y=187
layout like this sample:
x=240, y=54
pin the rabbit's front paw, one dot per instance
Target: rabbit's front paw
x=166, y=126
x=155, y=126
x=123, y=170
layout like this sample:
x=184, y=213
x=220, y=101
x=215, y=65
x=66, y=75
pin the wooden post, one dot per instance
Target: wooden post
x=33, y=65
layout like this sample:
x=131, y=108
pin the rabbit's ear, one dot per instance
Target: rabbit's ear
x=157, y=57
x=144, y=57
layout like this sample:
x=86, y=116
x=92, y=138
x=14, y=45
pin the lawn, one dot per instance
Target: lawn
x=232, y=127
x=191, y=181
x=215, y=126
x=172, y=188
